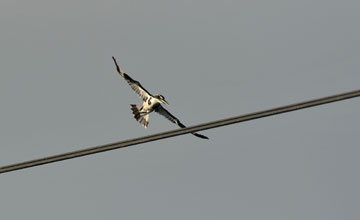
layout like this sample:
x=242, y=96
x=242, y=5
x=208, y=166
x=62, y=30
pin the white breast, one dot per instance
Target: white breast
x=149, y=103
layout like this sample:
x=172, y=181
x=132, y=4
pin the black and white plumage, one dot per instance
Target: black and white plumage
x=151, y=103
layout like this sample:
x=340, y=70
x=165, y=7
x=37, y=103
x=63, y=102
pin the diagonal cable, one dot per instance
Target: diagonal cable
x=172, y=133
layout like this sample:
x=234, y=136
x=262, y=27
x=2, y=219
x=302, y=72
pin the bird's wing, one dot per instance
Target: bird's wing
x=135, y=85
x=162, y=111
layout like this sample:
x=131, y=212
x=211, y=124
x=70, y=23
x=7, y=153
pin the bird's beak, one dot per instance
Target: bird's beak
x=165, y=102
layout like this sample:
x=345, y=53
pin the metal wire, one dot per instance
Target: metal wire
x=168, y=134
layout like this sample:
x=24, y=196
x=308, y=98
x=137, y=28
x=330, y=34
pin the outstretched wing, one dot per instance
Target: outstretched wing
x=162, y=111
x=135, y=85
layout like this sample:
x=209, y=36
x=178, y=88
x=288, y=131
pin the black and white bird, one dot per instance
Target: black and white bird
x=151, y=103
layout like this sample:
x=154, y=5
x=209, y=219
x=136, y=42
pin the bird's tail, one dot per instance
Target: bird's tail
x=141, y=117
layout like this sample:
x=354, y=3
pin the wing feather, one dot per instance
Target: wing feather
x=135, y=85
x=162, y=111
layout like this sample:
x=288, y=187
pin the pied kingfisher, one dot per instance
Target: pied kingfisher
x=151, y=103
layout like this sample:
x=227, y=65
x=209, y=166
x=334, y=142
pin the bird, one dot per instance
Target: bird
x=150, y=103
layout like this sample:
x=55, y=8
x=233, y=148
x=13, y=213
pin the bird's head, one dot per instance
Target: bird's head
x=161, y=99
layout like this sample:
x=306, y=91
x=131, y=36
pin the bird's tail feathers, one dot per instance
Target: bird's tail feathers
x=142, y=118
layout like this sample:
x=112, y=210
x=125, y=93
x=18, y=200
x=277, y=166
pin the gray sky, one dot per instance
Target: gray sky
x=59, y=92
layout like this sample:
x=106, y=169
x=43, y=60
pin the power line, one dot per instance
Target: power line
x=158, y=136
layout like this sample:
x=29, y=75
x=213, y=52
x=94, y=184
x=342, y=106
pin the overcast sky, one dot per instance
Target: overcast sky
x=59, y=92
